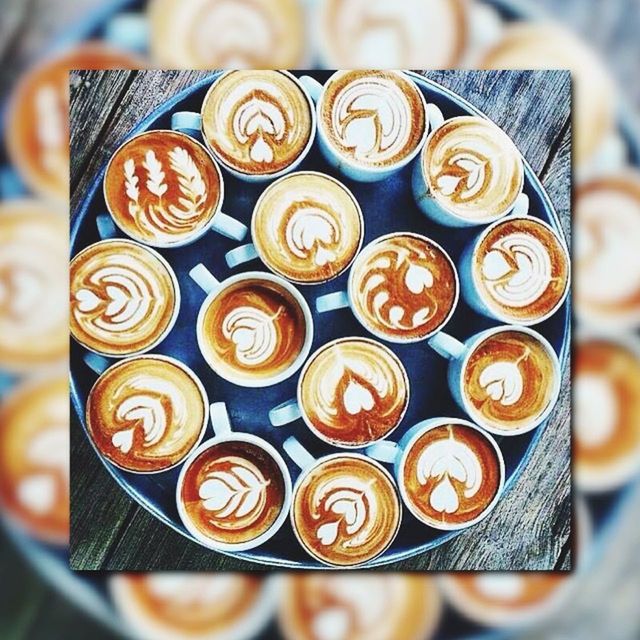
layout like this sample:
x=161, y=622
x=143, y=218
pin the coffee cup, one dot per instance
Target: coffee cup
x=234, y=491
x=450, y=472
x=259, y=124
x=254, y=329
x=507, y=378
x=351, y=392
x=306, y=227
x=371, y=123
x=468, y=173
x=345, y=509
x=403, y=287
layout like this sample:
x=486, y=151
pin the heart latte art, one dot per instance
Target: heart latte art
x=146, y=414
x=522, y=270
x=404, y=287
x=373, y=118
x=451, y=475
x=123, y=297
x=257, y=122
x=354, y=392
x=346, y=510
x=162, y=187
x=307, y=227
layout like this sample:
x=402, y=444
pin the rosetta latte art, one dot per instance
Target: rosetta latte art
x=253, y=332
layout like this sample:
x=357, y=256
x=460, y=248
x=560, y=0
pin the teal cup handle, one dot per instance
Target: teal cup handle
x=435, y=116
x=96, y=362
x=285, y=413
x=447, y=346
x=220, y=418
x=204, y=278
x=107, y=229
x=520, y=206
x=298, y=453
x=384, y=451
x=241, y=254
x=11, y=185
x=128, y=31
x=229, y=227
x=188, y=122
x=313, y=87
x=332, y=301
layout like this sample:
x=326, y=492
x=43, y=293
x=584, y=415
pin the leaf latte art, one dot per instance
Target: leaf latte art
x=253, y=332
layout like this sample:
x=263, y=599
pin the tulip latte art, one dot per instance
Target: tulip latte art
x=346, y=510
x=354, y=392
x=146, y=414
x=307, y=227
x=373, y=118
x=404, y=287
x=123, y=297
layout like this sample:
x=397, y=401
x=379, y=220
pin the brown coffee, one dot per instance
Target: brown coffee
x=346, y=510
x=257, y=122
x=521, y=270
x=353, y=392
x=146, y=414
x=403, y=287
x=451, y=474
x=123, y=297
x=372, y=118
x=233, y=492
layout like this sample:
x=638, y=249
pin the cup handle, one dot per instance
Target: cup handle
x=188, y=122
x=204, y=278
x=244, y=253
x=521, y=206
x=219, y=418
x=313, y=87
x=298, y=453
x=128, y=31
x=96, y=362
x=285, y=413
x=229, y=227
x=11, y=185
x=106, y=226
x=332, y=301
x=384, y=451
x=7, y=382
x=435, y=116
x=447, y=346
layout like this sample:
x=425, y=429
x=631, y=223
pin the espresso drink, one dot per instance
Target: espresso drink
x=233, y=492
x=146, y=414
x=403, y=287
x=254, y=329
x=34, y=458
x=257, y=122
x=472, y=168
x=162, y=188
x=37, y=126
x=607, y=413
x=521, y=270
x=34, y=326
x=372, y=118
x=509, y=380
x=346, y=510
x=124, y=297
x=361, y=606
x=307, y=227
x=353, y=392
x=451, y=475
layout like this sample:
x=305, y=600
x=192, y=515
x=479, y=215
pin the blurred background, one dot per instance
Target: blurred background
x=40, y=40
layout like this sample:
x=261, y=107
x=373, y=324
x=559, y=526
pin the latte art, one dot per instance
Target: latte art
x=124, y=297
x=354, y=391
x=253, y=332
x=374, y=118
x=404, y=287
x=307, y=227
x=146, y=414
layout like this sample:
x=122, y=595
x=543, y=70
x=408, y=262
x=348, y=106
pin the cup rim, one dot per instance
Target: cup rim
x=180, y=365
x=332, y=456
x=433, y=194
x=379, y=334
x=262, y=177
x=424, y=426
x=373, y=170
x=306, y=312
x=551, y=352
x=261, y=443
x=317, y=352
x=176, y=292
x=474, y=277
x=196, y=235
x=338, y=184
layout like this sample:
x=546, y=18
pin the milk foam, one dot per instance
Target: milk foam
x=596, y=409
x=253, y=333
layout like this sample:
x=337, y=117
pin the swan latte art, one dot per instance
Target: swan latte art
x=353, y=392
x=307, y=227
x=147, y=413
x=162, y=188
x=346, y=510
x=373, y=118
x=257, y=122
x=124, y=297
x=521, y=269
